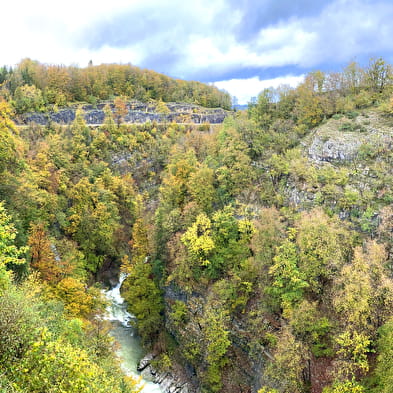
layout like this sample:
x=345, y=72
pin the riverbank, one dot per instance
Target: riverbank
x=168, y=382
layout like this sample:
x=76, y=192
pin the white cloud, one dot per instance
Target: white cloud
x=244, y=89
x=199, y=36
x=46, y=30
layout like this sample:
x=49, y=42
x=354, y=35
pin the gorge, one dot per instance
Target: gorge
x=130, y=350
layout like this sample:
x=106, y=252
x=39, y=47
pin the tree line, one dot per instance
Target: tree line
x=33, y=86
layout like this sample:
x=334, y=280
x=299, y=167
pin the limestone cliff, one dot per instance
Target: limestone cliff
x=137, y=112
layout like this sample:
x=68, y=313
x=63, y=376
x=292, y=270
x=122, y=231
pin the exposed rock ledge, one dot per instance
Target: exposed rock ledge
x=138, y=112
x=342, y=140
x=168, y=382
x=334, y=149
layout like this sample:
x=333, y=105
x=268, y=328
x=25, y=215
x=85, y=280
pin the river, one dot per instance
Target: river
x=130, y=350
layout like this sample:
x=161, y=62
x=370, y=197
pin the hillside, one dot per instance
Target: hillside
x=343, y=166
x=33, y=86
x=258, y=252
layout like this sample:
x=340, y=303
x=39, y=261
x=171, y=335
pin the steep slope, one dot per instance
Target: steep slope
x=283, y=303
x=258, y=253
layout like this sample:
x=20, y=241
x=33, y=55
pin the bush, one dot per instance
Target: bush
x=18, y=326
x=352, y=115
x=179, y=312
x=347, y=126
x=204, y=127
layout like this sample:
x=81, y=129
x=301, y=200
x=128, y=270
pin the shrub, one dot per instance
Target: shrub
x=352, y=115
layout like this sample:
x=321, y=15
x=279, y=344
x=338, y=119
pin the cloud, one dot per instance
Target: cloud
x=244, y=89
x=203, y=39
x=208, y=38
x=351, y=28
x=166, y=35
x=258, y=14
x=49, y=31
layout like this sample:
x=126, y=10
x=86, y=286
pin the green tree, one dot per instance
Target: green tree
x=201, y=187
x=363, y=291
x=54, y=365
x=139, y=289
x=352, y=78
x=92, y=221
x=263, y=111
x=216, y=339
x=311, y=327
x=287, y=367
x=384, y=367
x=10, y=254
x=18, y=326
x=144, y=299
x=174, y=190
x=269, y=233
x=28, y=99
x=378, y=75
x=345, y=387
x=81, y=133
x=8, y=142
x=288, y=281
x=109, y=124
x=162, y=108
x=324, y=246
x=234, y=171
x=353, y=348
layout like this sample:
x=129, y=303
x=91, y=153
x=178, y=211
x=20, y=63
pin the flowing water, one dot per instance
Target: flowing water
x=130, y=350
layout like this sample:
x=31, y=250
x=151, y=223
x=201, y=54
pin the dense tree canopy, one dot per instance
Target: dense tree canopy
x=253, y=260
x=33, y=86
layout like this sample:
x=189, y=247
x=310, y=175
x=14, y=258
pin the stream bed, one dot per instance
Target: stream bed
x=130, y=349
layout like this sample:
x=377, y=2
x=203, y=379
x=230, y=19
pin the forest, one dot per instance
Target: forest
x=33, y=86
x=258, y=253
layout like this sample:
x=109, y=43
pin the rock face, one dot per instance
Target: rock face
x=168, y=382
x=235, y=378
x=342, y=140
x=334, y=149
x=138, y=112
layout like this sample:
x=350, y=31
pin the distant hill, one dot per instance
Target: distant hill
x=33, y=86
x=239, y=107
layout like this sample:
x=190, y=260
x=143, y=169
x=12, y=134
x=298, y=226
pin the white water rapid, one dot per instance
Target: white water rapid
x=130, y=350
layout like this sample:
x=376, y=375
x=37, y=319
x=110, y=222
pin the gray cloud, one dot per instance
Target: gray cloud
x=163, y=59
x=351, y=29
x=257, y=14
x=216, y=41
x=135, y=26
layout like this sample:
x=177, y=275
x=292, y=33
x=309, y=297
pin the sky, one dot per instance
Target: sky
x=242, y=46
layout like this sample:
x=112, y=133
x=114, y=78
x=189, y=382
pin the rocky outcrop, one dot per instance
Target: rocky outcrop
x=168, y=382
x=334, y=149
x=342, y=140
x=138, y=112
